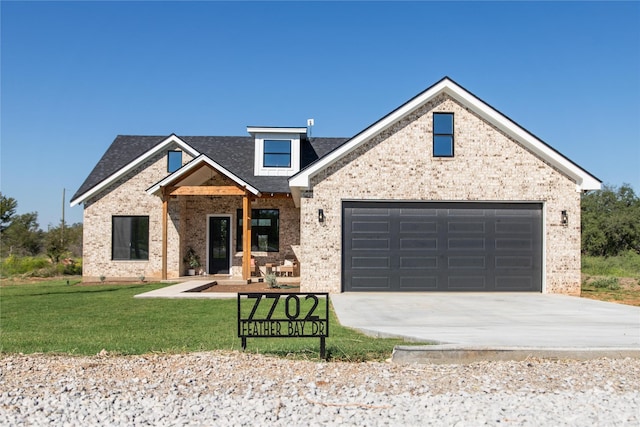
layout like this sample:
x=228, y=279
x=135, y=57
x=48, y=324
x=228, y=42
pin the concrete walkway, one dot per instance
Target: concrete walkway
x=181, y=290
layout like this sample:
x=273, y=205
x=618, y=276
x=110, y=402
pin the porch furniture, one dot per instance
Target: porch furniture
x=255, y=269
x=288, y=268
x=269, y=268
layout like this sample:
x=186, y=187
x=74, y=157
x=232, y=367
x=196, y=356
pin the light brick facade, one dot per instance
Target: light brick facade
x=398, y=165
x=187, y=225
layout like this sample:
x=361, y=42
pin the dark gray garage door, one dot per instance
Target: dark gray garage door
x=418, y=246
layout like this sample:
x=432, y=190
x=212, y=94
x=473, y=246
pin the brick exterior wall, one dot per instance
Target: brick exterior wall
x=187, y=218
x=398, y=165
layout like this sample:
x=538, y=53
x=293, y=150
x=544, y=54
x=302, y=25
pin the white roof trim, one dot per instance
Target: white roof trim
x=583, y=179
x=172, y=139
x=198, y=161
x=265, y=129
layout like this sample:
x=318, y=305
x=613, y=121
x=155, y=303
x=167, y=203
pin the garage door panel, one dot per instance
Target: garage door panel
x=418, y=262
x=415, y=227
x=466, y=262
x=524, y=244
x=476, y=243
x=370, y=227
x=514, y=228
x=419, y=283
x=370, y=262
x=418, y=243
x=514, y=283
x=465, y=227
x=466, y=283
x=370, y=244
x=438, y=246
x=371, y=283
x=513, y=262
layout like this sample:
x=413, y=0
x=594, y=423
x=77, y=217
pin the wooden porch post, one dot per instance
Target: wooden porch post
x=165, y=232
x=246, y=236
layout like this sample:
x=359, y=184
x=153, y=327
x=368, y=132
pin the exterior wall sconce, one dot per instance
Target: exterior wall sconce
x=564, y=218
x=320, y=216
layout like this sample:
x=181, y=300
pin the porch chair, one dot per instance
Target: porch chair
x=255, y=268
x=289, y=267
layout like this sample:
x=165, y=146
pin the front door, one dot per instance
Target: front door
x=219, y=253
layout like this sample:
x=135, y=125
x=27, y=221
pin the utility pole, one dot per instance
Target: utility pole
x=62, y=225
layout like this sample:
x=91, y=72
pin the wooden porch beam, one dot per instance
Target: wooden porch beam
x=208, y=190
x=246, y=236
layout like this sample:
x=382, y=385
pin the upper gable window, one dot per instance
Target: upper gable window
x=277, y=153
x=443, y=134
x=174, y=161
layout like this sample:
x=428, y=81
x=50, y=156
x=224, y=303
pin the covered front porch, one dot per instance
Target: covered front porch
x=234, y=230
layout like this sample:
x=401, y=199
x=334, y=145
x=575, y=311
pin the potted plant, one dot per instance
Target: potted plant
x=192, y=260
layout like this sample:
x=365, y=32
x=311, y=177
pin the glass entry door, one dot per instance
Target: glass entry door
x=219, y=253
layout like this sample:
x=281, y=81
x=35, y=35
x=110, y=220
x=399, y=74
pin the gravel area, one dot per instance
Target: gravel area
x=232, y=388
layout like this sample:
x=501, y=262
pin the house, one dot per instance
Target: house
x=444, y=193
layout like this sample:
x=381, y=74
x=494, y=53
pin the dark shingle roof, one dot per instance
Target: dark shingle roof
x=235, y=153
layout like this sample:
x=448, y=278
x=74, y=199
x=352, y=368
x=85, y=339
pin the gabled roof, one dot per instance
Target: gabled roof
x=193, y=165
x=120, y=158
x=583, y=179
x=235, y=154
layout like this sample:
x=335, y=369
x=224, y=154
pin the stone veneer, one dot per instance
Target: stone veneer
x=397, y=164
x=187, y=218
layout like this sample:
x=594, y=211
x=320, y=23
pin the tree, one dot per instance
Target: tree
x=23, y=236
x=610, y=221
x=8, y=207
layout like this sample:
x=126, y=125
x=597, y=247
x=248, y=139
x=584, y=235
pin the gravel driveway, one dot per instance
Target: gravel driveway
x=231, y=388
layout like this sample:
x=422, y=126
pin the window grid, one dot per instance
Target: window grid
x=265, y=230
x=443, y=134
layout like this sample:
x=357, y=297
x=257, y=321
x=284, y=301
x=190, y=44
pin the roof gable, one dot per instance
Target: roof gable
x=124, y=155
x=194, y=164
x=583, y=179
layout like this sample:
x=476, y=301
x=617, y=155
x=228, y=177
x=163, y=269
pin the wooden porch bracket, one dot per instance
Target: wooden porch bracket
x=246, y=236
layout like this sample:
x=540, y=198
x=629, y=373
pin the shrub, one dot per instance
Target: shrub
x=14, y=265
x=606, y=282
x=38, y=267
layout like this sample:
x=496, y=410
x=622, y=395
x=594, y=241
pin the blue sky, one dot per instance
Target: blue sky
x=76, y=74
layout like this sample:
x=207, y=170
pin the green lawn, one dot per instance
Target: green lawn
x=53, y=317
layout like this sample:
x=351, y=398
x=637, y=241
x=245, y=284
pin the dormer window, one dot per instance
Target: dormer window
x=277, y=150
x=277, y=153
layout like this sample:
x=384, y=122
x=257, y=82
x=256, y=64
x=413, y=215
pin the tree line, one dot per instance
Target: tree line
x=20, y=235
x=610, y=222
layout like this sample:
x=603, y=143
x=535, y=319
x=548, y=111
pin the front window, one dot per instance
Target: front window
x=265, y=230
x=277, y=153
x=443, y=134
x=130, y=238
x=174, y=161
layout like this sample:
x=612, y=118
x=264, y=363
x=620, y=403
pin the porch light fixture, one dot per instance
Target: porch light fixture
x=564, y=218
x=320, y=215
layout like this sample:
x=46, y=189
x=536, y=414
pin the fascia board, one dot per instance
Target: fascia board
x=195, y=163
x=263, y=129
x=133, y=164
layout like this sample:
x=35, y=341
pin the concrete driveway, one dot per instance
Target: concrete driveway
x=492, y=319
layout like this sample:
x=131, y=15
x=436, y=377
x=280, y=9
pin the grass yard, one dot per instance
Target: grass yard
x=613, y=279
x=53, y=317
